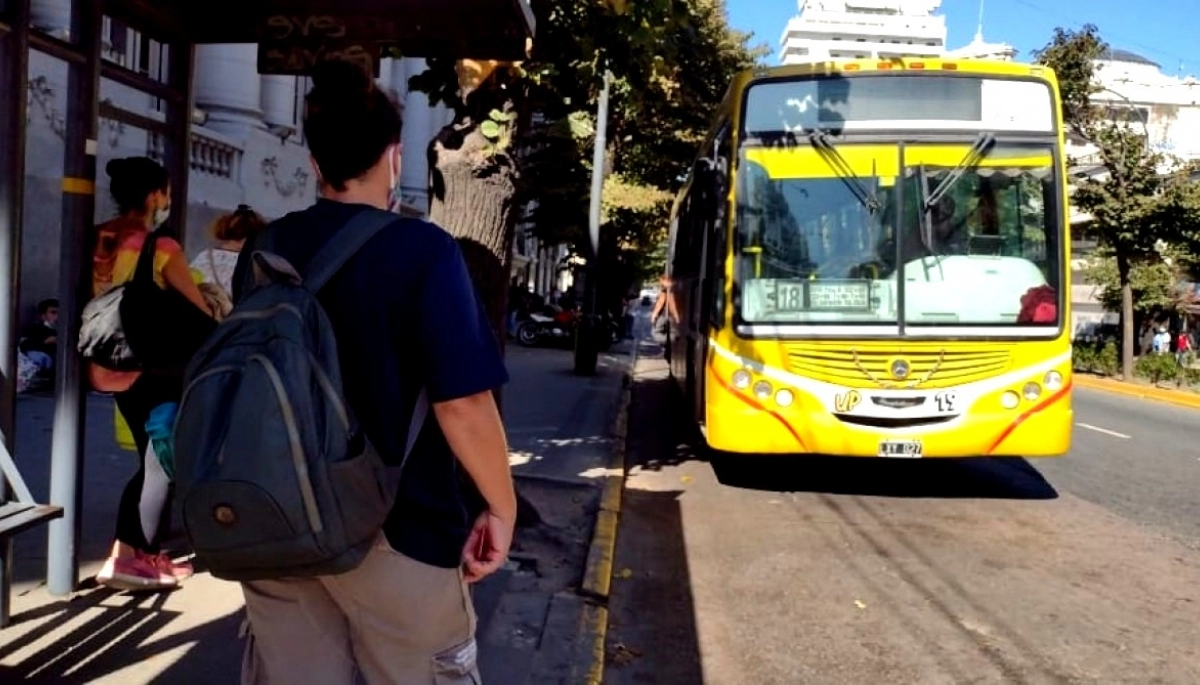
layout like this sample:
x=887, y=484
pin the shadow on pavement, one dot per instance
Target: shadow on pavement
x=652, y=578
x=115, y=631
x=986, y=478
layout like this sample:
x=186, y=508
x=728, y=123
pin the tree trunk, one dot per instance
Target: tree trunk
x=1127, y=343
x=472, y=196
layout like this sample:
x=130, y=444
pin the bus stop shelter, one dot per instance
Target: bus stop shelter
x=292, y=36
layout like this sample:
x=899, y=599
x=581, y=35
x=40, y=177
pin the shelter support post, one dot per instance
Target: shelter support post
x=177, y=147
x=79, y=184
x=14, y=76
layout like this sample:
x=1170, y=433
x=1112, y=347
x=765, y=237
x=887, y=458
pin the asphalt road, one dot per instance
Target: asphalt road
x=1079, y=569
x=1138, y=458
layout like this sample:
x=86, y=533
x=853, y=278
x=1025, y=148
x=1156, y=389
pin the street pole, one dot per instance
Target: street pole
x=587, y=331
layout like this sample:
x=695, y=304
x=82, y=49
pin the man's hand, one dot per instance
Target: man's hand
x=487, y=546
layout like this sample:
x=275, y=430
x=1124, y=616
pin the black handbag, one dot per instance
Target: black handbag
x=162, y=328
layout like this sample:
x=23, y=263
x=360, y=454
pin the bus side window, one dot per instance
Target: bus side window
x=718, y=227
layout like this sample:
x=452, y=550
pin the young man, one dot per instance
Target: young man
x=40, y=339
x=406, y=318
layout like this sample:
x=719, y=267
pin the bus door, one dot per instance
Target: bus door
x=712, y=223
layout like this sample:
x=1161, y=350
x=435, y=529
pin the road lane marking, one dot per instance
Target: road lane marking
x=1103, y=430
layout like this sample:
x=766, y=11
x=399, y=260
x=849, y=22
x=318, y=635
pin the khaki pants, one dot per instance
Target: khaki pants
x=394, y=620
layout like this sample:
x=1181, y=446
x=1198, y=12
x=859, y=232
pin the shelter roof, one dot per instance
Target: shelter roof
x=477, y=29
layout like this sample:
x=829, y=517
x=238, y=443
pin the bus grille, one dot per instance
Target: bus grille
x=871, y=368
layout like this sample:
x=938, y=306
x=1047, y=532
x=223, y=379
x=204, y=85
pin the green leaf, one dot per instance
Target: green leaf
x=490, y=129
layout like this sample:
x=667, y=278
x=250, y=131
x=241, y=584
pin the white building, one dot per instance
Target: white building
x=247, y=145
x=1167, y=109
x=866, y=29
x=1136, y=91
x=981, y=49
x=862, y=29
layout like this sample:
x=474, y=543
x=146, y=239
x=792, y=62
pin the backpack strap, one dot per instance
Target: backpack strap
x=420, y=413
x=344, y=244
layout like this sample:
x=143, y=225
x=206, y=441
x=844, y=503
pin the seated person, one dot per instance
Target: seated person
x=39, y=340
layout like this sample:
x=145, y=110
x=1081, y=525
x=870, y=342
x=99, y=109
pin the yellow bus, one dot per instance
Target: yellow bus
x=870, y=258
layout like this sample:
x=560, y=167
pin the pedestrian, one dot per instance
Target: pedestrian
x=663, y=312
x=1183, y=348
x=40, y=341
x=1161, y=342
x=216, y=263
x=406, y=319
x=142, y=191
x=629, y=314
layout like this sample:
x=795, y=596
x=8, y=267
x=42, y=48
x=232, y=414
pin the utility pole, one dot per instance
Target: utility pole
x=588, y=330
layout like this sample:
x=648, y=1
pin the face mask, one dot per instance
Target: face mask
x=161, y=215
x=394, y=197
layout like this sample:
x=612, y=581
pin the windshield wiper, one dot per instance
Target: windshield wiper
x=820, y=141
x=982, y=145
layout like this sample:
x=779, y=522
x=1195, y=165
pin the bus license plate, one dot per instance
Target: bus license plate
x=901, y=449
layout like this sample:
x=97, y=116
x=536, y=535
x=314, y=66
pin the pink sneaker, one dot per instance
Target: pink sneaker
x=180, y=571
x=134, y=573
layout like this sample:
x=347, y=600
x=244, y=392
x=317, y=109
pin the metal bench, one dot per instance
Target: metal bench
x=18, y=512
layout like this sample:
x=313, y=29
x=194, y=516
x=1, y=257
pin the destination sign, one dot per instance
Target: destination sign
x=897, y=102
x=829, y=296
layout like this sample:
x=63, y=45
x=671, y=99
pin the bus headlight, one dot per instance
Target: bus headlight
x=1010, y=400
x=762, y=390
x=1053, y=381
x=741, y=379
x=784, y=398
x=1031, y=391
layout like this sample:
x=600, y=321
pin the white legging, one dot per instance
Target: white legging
x=155, y=487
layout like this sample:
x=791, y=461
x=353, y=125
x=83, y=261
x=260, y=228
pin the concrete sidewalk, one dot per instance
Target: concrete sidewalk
x=559, y=427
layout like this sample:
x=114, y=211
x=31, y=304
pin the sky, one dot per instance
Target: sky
x=1163, y=34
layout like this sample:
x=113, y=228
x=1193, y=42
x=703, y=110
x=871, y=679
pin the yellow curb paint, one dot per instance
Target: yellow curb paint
x=595, y=623
x=602, y=552
x=1175, y=397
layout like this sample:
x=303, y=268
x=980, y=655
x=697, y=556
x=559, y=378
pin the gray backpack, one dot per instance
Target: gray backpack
x=275, y=477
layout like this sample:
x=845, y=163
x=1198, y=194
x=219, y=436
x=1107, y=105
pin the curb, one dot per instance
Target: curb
x=1144, y=392
x=597, y=579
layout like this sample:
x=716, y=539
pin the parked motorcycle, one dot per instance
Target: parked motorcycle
x=558, y=329
x=541, y=328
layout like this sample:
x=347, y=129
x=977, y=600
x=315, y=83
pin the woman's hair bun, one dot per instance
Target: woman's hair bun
x=115, y=166
x=337, y=78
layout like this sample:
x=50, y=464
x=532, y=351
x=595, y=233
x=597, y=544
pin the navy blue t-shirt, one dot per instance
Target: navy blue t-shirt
x=405, y=316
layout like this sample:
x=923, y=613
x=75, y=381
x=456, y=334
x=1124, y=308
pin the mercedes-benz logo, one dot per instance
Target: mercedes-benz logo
x=900, y=369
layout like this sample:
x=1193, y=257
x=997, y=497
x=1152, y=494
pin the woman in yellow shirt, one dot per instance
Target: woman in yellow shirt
x=142, y=190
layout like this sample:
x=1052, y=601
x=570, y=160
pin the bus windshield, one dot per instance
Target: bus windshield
x=985, y=253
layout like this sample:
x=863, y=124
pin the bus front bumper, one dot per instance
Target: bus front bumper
x=740, y=423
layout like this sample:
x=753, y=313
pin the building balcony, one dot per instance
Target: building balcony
x=209, y=153
x=837, y=23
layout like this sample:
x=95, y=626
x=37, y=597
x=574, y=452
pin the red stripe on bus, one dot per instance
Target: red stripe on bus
x=756, y=404
x=1022, y=418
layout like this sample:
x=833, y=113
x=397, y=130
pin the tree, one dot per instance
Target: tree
x=1134, y=206
x=1158, y=287
x=521, y=132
